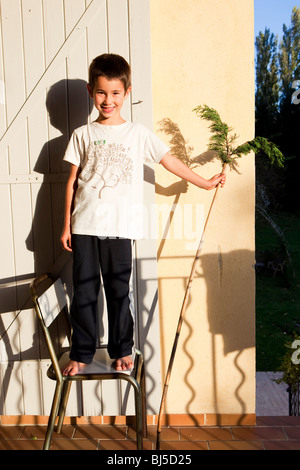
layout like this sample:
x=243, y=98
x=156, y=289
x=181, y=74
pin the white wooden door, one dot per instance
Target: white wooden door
x=45, y=49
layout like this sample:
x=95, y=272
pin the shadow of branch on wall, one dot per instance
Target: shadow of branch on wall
x=229, y=304
x=229, y=301
x=228, y=295
x=180, y=148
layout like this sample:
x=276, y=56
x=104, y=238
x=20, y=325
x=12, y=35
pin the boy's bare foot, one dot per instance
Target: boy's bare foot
x=123, y=363
x=73, y=368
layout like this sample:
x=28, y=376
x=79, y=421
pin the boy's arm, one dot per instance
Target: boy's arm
x=174, y=165
x=71, y=187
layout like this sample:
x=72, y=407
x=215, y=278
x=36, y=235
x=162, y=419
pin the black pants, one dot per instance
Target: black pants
x=114, y=258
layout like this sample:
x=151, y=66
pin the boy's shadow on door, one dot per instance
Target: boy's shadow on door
x=68, y=106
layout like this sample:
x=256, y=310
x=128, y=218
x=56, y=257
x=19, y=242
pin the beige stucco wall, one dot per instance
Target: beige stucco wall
x=203, y=53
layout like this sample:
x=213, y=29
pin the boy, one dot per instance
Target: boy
x=104, y=185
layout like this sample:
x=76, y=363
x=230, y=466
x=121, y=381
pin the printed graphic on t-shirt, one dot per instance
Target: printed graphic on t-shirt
x=107, y=166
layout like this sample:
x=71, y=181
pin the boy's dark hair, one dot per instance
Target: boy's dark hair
x=110, y=66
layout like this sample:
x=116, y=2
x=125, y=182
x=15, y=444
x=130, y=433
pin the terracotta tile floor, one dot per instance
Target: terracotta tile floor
x=270, y=433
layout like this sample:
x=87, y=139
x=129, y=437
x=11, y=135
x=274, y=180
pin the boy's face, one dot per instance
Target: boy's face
x=108, y=97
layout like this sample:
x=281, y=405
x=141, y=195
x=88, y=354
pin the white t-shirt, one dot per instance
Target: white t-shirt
x=109, y=198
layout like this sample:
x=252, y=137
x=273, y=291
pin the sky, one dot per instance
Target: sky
x=273, y=14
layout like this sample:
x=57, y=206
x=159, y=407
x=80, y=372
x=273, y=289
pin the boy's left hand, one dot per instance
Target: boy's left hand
x=216, y=180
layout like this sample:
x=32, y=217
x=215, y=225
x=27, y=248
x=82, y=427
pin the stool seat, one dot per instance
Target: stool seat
x=101, y=364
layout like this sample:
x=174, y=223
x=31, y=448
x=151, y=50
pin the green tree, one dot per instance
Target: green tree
x=289, y=58
x=277, y=113
x=289, y=117
x=267, y=92
x=289, y=72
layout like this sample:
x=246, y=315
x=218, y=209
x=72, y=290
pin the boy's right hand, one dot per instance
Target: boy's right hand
x=66, y=240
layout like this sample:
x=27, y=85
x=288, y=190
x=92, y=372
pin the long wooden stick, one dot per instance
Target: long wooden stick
x=181, y=317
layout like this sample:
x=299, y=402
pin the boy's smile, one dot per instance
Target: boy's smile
x=108, y=97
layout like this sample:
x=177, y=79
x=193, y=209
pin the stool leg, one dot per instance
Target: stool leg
x=144, y=405
x=63, y=404
x=139, y=418
x=53, y=414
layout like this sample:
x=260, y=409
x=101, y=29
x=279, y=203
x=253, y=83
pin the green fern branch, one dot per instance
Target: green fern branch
x=223, y=142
